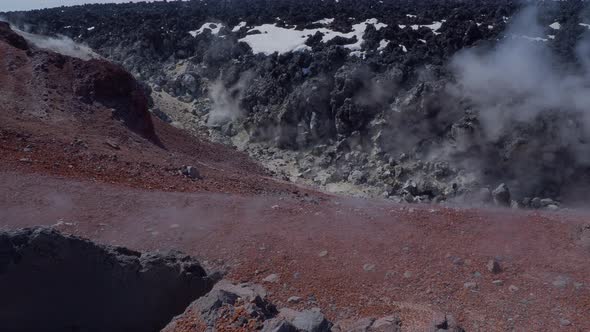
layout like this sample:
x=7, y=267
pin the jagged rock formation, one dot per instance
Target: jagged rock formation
x=355, y=97
x=245, y=307
x=54, y=282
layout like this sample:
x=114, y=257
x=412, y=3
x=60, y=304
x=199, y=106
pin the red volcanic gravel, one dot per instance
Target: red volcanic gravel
x=381, y=257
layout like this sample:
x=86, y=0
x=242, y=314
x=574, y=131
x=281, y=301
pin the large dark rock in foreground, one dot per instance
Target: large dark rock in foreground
x=53, y=282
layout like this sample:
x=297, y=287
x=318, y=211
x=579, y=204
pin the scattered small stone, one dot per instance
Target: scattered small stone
x=498, y=282
x=536, y=203
x=274, y=207
x=477, y=274
x=294, y=299
x=578, y=285
x=191, y=172
x=369, y=267
x=493, y=266
x=564, y=322
x=561, y=281
x=25, y=160
x=387, y=323
x=272, y=278
x=408, y=274
x=112, y=144
x=548, y=201
x=457, y=261
x=470, y=285
x=513, y=288
x=323, y=253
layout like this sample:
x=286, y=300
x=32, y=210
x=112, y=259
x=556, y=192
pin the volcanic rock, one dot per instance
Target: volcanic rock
x=501, y=195
x=41, y=268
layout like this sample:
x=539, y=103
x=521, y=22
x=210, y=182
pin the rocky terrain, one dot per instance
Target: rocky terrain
x=89, y=150
x=91, y=287
x=394, y=99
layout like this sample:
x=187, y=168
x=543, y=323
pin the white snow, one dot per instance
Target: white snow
x=239, y=26
x=283, y=40
x=585, y=25
x=490, y=27
x=555, y=26
x=90, y=29
x=403, y=48
x=382, y=44
x=434, y=27
x=422, y=41
x=214, y=27
x=551, y=36
x=410, y=15
x=401, y=26
x=358, y=54
x=325, y=21
x=67, y=27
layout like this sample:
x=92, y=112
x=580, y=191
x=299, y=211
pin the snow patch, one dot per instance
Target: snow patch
x=283, y=40
x=555, y=26
x=383, y=44
x=90, y=29
x=214, y=27
x=239, y=26
x=434, y=26
x=403, y=48
x=325, y=21
x=358, y=54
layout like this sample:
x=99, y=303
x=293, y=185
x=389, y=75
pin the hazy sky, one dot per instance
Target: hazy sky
x=8, y=5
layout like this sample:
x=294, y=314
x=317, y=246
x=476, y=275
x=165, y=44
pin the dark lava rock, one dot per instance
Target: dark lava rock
x=55, y=282
x=501, y=195
x=111, y=85
x=10, y=37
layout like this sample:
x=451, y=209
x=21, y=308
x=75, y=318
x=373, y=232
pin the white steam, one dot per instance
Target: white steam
x=520, y=79
x=226, y=100
x=60, y=44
